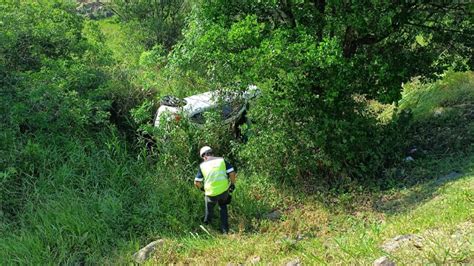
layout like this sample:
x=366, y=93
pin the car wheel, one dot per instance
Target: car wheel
x=237, y=132
x=172, y=101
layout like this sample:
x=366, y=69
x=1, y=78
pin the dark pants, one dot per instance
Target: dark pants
x=210, y=202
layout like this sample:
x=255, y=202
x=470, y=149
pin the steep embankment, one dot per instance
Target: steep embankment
x=434, y=219
x=420, y=213
x=78, y=185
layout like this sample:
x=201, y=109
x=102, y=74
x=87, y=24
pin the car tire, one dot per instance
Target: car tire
x=237, y=132
x=172, y=101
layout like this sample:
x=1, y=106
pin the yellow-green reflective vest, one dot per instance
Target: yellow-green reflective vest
x=215, y=176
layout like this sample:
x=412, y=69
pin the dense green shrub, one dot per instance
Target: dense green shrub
x=52, y=85
x=312, y=61
x=55, y=69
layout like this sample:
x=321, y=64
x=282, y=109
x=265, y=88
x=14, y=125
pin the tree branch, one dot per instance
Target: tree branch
x=321, y=7
x=286, y=13
x=436, y=28
x=352, y=41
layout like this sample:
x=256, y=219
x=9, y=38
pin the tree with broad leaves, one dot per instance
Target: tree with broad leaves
x=315, y=61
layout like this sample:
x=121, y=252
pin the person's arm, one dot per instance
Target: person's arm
x=233, y=177
x=198, y=180
x=230, y=170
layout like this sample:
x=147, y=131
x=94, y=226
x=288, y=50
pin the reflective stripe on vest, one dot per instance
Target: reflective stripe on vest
x=215, y=176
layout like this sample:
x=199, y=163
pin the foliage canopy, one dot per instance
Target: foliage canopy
x=77, y=97
x=313, y=59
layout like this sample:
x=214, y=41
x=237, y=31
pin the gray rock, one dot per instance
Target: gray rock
x=409, y=159
x=383, y=261
x=295, y=262
x=254, y=260
x=398, y=241
x=274, y=215
x=144, y=254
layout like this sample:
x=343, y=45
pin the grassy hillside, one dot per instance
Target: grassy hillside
x=329, y=172
x=350, y=229
x=430, y=197
x=97, y=202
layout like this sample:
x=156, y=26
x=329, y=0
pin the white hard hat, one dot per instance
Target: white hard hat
x=204, y=150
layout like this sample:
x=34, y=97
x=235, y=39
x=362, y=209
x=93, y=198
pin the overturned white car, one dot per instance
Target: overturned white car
x=231, y=105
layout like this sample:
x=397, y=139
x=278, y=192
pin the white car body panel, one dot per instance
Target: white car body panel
x=201, y=102
x=194, y=104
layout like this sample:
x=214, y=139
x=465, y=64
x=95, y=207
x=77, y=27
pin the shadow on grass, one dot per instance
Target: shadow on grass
x=420, y=182
x=406, y=199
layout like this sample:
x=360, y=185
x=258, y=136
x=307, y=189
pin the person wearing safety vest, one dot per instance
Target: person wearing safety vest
x=217, y=178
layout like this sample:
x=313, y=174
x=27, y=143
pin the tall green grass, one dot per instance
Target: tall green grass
x=126, y=45
x=443, y=120
x=438, y=98
x=80, y=198
x=95, y=198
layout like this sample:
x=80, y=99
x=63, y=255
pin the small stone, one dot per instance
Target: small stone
x=409, y=159
x=397, y=241
x=383, y=261
x=255, y=260
x=144, y=254
x=295, y=262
